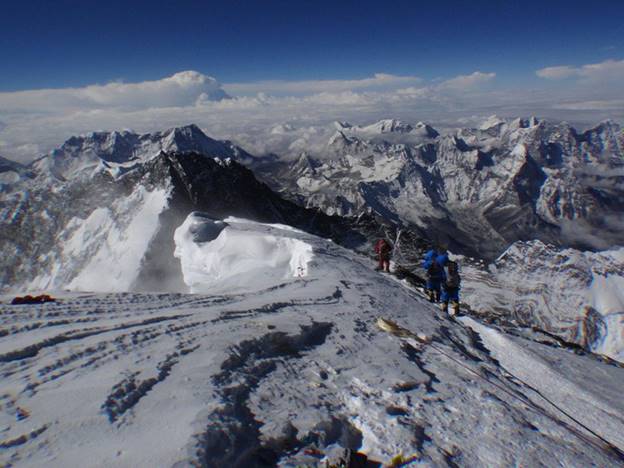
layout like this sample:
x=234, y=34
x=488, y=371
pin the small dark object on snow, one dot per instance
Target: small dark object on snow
x=21, y=414
x=28, y=299
x=348, y=458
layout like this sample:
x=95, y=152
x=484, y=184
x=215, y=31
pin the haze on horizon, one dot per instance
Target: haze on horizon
x=241, y=68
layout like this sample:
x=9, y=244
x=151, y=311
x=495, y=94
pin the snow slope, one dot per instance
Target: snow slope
x=573, y=294
x=277, y=375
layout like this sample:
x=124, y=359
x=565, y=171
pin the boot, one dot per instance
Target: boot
x=430, y=294
x=455, y=308
x=444, y=307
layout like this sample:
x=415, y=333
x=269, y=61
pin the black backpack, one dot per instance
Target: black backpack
x=452, y=278
x=434, y=270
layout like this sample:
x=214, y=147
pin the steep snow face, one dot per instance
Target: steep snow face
x=575, y=295
x=104, y=251
x=285, y=375
x=237, y=255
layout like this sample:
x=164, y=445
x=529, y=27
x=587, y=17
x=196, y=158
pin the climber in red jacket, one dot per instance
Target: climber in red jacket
x=383, y=249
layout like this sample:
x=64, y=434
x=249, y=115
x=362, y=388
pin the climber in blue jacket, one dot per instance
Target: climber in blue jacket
x=433, y=264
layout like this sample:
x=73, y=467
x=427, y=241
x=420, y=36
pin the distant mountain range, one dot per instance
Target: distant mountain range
x=110, y=202
x=476, y=190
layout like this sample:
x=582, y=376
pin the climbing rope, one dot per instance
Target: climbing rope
x=395, y=329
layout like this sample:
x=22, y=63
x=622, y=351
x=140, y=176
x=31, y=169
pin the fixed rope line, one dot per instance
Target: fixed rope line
x=395, y=329
x=610, y=446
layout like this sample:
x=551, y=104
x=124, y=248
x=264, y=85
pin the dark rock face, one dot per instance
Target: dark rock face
x=39, y=220
x=221, y=189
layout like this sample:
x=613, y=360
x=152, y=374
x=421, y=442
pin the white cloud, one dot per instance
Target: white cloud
x=279, y=87
x=181, y=89
x=607, y=71
x=617, y=104
x=557, y=73
x=463, y=82
x=38, y=121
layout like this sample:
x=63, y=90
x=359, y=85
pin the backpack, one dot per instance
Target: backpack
x=452, y=278
x=382, y=247
x=434, y=270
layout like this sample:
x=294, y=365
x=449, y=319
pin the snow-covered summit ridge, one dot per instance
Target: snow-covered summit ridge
x=389, y=128
x=117, y=151
x=237, y=255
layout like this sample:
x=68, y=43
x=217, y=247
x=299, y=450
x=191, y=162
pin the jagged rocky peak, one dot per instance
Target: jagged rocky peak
x=524, y=122
x=8, y=165
x=607, y=136
x=340, y=140
x=607, y=125
x=499, y=125
x=341, y=125
x=189, y=132
x=192, y=138
x=425, y=130
x=305, y=163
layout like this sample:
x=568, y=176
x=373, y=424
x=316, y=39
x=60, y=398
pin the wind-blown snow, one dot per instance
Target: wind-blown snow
x=242, y=255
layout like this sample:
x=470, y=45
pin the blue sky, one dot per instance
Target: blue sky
x=71, y=67
x=52, y=44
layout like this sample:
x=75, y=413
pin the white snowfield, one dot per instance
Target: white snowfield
x=286, y=369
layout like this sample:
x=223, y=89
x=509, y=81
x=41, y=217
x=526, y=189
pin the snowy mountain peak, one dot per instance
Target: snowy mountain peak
x=387, y=126
x=606, y=127
x=186, y=138
x=84, y=154
x=304, y=164
x=425, y=130
x=491, y=122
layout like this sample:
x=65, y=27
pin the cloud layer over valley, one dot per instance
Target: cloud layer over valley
x=284, y=116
